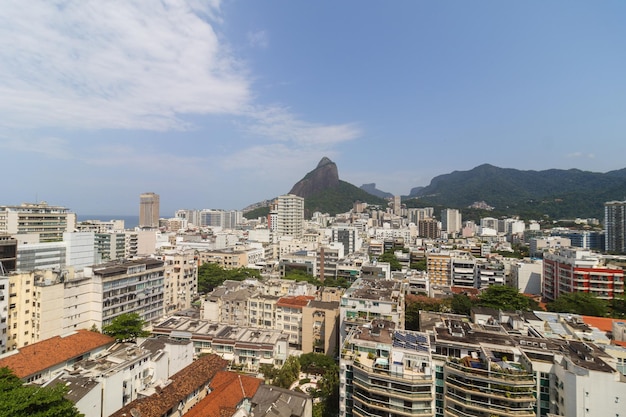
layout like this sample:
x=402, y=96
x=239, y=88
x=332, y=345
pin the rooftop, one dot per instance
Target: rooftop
x=228, y=390
x=38, y=357
x=184, y=383
x=374, y=289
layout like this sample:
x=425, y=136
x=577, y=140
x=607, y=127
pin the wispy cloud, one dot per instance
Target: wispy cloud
x=280, y=124
x=120, y=64
x=132, y=64
x=259, y=39
x=49, y=147
x=579, y=155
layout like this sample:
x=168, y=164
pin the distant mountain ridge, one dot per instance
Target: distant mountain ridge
x=554, y=192
x=371, y=188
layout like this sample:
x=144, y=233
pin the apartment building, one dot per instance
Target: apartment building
x=289, y=318
x=451, y=221
x=489, y=273
x=369, y=299
x=428, y=228
x=110, y=246
x=386, y=371
x=579, y=270
x=526, y=276
x=8, y=253
x=180, y=278
x=149, y=204
x=483, y=370
x=615, y=226
x=327, y=258
x=99, y=226
x=130, y=286
x=290, y=215
x=320, y=324
x=248, y=348
x=46, y=222
x=462, y=268
x=439, y=267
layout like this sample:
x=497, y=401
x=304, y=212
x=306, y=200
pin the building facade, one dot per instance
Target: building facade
x=290, y=216
x=615, y=226
x=46, y=221
x=149, y=210
x=579, y=270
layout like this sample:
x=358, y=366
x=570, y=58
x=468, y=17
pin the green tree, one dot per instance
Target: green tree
x=618, y=307
x=316, y=362
x=212, y=275
x=505, y=298
x=288, y=374
x=579, y=303
x=19, y=400
x=461, y=304
x=126, y=327
x=415, y=303
x=419, y=265
x=389, y=256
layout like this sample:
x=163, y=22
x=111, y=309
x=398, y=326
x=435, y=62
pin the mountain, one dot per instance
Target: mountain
x=554, y=193
x=324, y=176
x=323, y=191
x=371, y=188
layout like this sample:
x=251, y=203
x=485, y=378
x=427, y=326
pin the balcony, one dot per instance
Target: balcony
x=472, y=405
x=481, y=373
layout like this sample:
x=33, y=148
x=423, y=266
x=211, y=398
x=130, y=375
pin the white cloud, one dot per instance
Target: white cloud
x=134, y=64
x=259, y=39
x=578, y=155
x=280, y=124
x=117, y=64
x=50, y=147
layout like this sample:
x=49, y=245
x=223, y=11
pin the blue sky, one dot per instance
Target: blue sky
x=219, y=104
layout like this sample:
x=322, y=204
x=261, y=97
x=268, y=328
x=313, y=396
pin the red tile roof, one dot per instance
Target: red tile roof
x=38, y=357
x=184, y=383
x=469, y=291
x=298, y=301
x=229, y=389
x=601, y=323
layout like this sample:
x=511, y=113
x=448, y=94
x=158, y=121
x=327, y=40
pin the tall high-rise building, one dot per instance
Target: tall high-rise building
x=149, y=210
x=290, y=215
x=451, y=221
x=615, y=226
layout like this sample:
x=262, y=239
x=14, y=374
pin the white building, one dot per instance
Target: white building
x=290, y=215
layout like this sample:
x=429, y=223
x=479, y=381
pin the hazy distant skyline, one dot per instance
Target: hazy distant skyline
x=220, y=104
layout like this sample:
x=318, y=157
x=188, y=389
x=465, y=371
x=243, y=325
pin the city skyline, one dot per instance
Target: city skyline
x=224, y=104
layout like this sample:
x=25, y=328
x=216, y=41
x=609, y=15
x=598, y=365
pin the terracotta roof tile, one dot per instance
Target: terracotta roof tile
x=601, y=323
x=184, y=382
x=228, y=389
x=298, y=301
x=38, y=357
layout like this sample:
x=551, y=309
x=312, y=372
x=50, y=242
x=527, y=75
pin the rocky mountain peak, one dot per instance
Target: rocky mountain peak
x=324, y=176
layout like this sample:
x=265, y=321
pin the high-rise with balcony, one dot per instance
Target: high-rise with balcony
x=387, y=372
x=149, y=210
x=41, y=219
x=615, y=226
x=290, y=216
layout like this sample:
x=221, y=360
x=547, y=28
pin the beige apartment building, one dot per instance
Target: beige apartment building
x=40, y=219
x=439, y=267
x=181, y=279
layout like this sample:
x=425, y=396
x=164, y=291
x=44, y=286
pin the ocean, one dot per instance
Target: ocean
x=130, y=222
